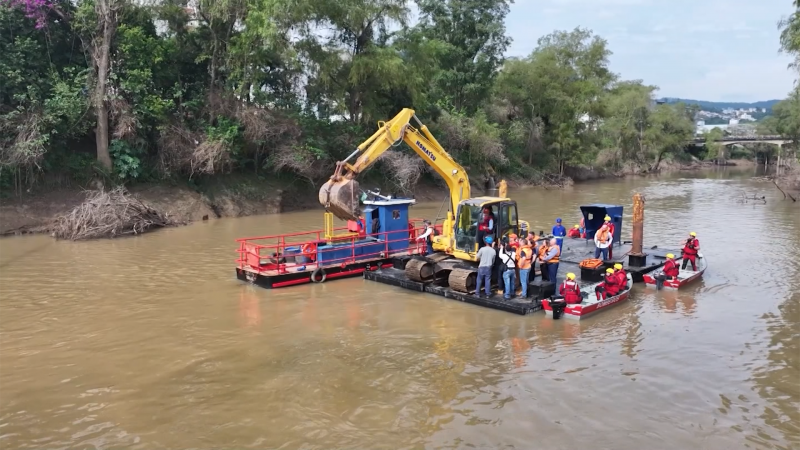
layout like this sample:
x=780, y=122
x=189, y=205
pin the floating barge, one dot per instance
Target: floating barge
x=385, y=233
x=574, y=250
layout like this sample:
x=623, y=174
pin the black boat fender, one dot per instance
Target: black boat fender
x=318, y=275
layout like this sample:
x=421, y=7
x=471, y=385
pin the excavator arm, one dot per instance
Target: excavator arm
x=340, y=194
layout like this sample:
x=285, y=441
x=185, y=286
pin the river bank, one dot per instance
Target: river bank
x=227, y=196
x=241, y=196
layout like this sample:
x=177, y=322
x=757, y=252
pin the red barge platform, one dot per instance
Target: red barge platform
x=384, y=234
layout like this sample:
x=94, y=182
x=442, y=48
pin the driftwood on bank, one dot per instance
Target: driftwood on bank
x=107, y=214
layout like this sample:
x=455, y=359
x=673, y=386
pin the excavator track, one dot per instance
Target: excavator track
x=419, y=270
x=463, y=280
x=424, y=269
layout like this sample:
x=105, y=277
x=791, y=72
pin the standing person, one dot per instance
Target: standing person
x=601, y=238
x=524, y=261
x=544, y=248
x=485, y=225
x=507, y=257
x=551, y=258
x=502, y=186
x=690, y=248
x=559, y=232
x=427, y=236
x=513, y=240
x=583, y=228
x=499, y=267
x=486, y=260
x=610, y=226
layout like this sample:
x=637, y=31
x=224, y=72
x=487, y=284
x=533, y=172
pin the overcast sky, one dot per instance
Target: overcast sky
x=718, y=50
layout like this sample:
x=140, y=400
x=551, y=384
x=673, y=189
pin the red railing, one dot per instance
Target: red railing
x=278, y=252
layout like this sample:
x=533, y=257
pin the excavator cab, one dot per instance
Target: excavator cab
x=469, y=211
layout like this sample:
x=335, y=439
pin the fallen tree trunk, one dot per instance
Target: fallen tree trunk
x=108, y=214
x=783, y=192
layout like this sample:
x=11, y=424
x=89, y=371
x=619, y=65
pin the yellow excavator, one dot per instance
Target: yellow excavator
x=456, y=248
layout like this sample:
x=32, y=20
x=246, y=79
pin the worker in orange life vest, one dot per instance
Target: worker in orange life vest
x=308, y=253
x=609, y=287
x=622, y=277
x=690, y=249
x=671, y=269
x=602, y=237
x=570, y=290
x=610, y=225
x=575, y=232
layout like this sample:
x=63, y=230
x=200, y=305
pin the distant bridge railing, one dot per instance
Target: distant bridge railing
x=753, y=138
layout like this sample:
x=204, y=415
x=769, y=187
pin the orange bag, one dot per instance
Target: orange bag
x=591, y=263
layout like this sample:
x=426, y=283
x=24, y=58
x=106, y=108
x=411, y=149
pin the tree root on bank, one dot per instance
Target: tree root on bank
x=782, y=191
x=107, y=214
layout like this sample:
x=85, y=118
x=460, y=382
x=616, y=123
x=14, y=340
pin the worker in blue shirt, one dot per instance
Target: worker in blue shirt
x=559, y=232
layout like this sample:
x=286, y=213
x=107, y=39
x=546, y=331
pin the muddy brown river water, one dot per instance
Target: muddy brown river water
x=150, y=342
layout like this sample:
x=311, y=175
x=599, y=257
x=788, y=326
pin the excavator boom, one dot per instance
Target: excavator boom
x=341, y=193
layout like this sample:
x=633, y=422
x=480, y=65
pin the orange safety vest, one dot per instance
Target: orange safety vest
x=309, y=250
x=524, y=263
x=554, y=260
x=602, y=236
x=542, y=251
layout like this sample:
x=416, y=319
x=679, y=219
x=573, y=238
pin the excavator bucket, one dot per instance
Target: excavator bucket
x=341, y=198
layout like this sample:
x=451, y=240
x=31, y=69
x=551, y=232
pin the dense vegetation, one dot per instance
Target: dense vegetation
x=128, y=92
x=785, y=118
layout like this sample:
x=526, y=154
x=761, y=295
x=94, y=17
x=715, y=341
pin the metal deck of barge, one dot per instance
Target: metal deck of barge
x=573, y=252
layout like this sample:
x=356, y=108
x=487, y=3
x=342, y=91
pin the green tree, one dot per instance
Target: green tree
x=473, y=34
x=629, y=113
x=562, y=83
x=355, y=62
x=672, y=127
x=714, y=148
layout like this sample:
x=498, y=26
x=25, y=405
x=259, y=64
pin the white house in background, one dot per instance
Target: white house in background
x=733, y=122
x=763, y=110
x=746, y=117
